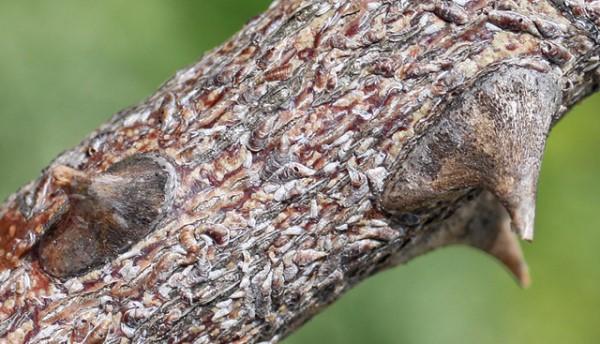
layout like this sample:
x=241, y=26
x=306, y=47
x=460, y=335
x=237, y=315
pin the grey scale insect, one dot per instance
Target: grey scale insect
x=324, y=142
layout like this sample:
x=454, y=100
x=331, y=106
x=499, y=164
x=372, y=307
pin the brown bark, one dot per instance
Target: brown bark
x=324, y=142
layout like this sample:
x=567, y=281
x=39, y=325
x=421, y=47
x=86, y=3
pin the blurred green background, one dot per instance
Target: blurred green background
x=66, y=66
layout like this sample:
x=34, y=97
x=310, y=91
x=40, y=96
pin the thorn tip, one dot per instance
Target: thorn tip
x=521, y=209
x=507, y=250
x=493, y=234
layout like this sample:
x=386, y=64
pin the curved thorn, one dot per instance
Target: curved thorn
x=507, y=250
x=490, y=231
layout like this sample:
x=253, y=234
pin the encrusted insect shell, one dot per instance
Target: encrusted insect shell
x=169, y=113
x=229, y=162
x=513, y=21
x=288, y=190
x=357, y=178
x=361, y=247
x=385, y=67
x=281, y=166
x=278, y=282
x=279, y=73
x=556, y=53
x=187, y=238
x=331, y=167
x=314, y=209
x=294, y=230
x=549, y=29
x=377, y=177
x=294, y=170
x=259, y=135
x=593, y=9
x=577, y=7
x=451, y=12
x=219, y=234
x=222, y=309
x=305, y=257
x=377, y=233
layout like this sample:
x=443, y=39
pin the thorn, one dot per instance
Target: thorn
x=520, y=204
x=490, y=231
x=106, y=213
x=523, y=219
x=483, y=224
x=507, y=250
x=493, y=139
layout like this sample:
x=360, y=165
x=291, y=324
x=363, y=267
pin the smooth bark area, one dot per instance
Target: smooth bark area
x=326, y=141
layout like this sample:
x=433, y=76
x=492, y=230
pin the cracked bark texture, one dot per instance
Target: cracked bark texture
x=326, y=141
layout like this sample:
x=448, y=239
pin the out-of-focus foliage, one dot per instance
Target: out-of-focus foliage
x=66, y=66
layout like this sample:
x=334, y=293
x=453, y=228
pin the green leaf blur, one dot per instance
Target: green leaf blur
x=66, y=66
